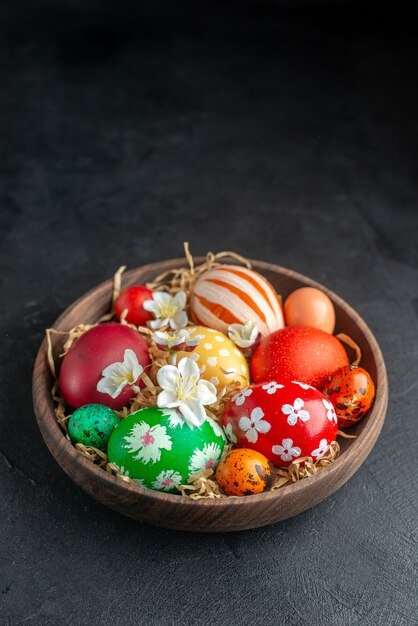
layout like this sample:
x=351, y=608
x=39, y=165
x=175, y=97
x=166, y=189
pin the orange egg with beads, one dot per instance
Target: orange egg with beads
x=245, y=472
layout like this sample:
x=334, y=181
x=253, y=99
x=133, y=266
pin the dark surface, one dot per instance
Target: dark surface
x=286, y=134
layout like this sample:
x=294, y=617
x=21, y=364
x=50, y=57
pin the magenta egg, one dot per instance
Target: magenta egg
x=98, y=348
x=282, y=420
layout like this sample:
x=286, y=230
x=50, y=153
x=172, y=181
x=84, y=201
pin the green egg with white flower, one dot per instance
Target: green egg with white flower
x=158, y=449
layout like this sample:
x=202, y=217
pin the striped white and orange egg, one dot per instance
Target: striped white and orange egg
x=220, y=361
x=235, y=295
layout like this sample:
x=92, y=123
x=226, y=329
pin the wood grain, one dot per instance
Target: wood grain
x=223, y=515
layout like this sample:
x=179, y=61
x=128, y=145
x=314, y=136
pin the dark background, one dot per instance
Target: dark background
x=286, y=131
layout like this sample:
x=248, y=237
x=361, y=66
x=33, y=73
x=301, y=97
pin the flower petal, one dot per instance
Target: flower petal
x=251, y=435
x=150, y=305
x=287, y=409
x=106, y=385
x=180, y=300
x=298, y=404
x=158, y=323
x=114, y=369
x=188, y=368
x=193, y=412
x=168, y=399
x=167, y=377
x=287, y=443
x=257, y=414
x=162, y=298
x=179, y=320
x=244, y=423
x=303, y=415
x=206, y=392
x=263, y=426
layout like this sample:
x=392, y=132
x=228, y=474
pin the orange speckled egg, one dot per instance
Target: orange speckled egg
x=244, y=472
x=308, y=306
x=351, y=391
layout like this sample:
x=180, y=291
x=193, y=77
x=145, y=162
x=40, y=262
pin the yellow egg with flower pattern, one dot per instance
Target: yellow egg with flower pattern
x=220, y=361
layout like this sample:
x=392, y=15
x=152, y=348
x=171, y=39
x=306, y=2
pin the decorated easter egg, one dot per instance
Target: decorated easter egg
x=159, y=450
x=92, y=425
x=220, y=361
x=282, y=420
x=99, y=348
x=235, y=295
x=298, y=353
x=308, y=306
x=351, y=391
x=132, y=299
x=244, y=472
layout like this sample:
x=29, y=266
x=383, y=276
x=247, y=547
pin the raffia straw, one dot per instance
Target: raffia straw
x=98, y=457
x=183, y=278
x=352, y=344
x=344, y=435
x=305, y=466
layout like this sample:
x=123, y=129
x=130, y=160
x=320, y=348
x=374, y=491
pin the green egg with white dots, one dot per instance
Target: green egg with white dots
x=92, y=425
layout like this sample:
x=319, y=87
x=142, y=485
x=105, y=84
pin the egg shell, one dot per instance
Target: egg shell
x=351, y=391
x=309, y=306
x=244, y=472
x=92, y=425
x=97, y=348
x=215, y=353
x=157, y=449
x=301, y=353
x=282, y=420
x=233, y=294
x=132, y=299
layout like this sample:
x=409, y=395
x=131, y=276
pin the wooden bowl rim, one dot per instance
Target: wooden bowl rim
x=48, y=422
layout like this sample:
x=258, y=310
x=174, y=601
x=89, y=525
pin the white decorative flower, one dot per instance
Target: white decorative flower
x=321, y=450
x=296, y=411
x=117, y=375
x=147, y=441
x=287, y=450
x=167, y=480
x=229, y=433
x=177, y=341
x=212, y=361
x=216, y=428
x=243, y=335
x=303, y=385
x=239, y=399
x=182, y=389
x=272, y=387
x=167, y=310
x=175, y=419
x=331, y=415
x=254, y=424
x=205, y=459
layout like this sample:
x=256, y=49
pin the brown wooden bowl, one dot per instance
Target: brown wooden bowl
x=226, y=514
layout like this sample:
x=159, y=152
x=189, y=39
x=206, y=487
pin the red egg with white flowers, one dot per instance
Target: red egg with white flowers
x=97, y=349
x=282, y=420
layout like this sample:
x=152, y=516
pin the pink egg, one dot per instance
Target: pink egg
x=82, y=366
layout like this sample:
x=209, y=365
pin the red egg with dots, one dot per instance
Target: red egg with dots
x=132, y=300
x=96, y=349
x=284, y=420
x=301, y=353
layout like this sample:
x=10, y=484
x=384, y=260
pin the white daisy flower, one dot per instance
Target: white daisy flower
x=117, y=375
x=182, y=389
x=167, y=310
x=243, y=335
